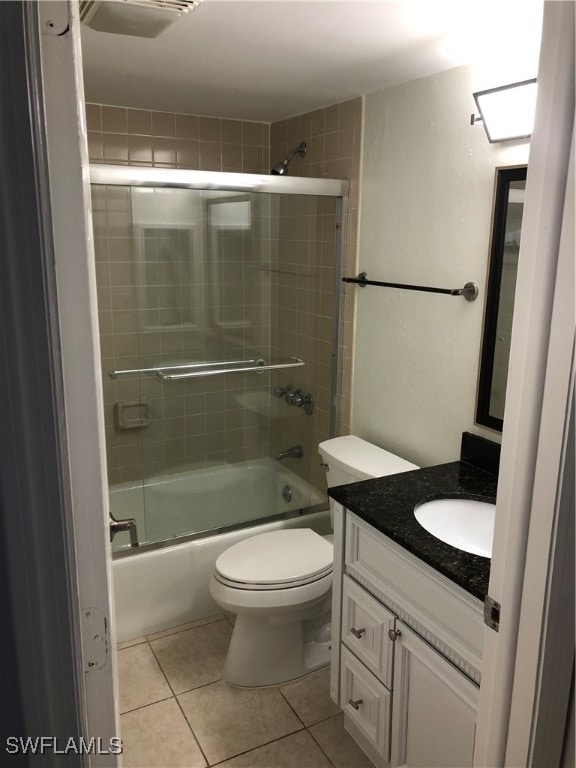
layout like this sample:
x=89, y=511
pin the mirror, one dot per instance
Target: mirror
x=504, y=249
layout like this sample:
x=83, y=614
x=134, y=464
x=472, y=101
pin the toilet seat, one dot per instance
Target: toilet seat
x=277, y=560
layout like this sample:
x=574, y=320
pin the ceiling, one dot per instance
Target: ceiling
x=268, y=60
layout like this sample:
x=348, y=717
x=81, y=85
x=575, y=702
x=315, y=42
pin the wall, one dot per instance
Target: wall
x=167, y=140
x=202, y=421
x=427, y=192
x=334, y=139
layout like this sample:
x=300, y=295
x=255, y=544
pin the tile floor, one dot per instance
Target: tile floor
x=177, y=712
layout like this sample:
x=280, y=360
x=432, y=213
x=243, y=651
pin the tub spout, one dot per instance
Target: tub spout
x=296, y=452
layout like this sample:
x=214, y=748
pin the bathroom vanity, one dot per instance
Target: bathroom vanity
x=407, y=619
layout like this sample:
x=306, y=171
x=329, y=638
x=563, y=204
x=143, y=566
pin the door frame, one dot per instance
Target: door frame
x=531, y=506
x=53, y=483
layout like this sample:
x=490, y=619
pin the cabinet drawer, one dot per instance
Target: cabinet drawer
x=366, y=702
x=365, y=627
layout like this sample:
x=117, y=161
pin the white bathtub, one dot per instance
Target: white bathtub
x=164, y=587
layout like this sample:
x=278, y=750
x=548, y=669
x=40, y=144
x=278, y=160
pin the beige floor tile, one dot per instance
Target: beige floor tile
x=310, y=697
x=227, y=720
x=296, y=751
x=340, y=747
x=195, y=657
x=158, y=736
x=141, y=680
x=130, y=643
x=184, y=627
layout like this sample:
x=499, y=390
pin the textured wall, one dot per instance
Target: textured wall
x=427, y=193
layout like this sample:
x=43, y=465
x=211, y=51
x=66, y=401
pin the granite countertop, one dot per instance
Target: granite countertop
x=387, y=503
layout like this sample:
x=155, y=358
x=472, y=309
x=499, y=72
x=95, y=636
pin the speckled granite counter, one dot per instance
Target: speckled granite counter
x=387, y=503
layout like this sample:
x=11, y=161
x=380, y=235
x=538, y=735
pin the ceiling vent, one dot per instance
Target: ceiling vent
x=139, y=18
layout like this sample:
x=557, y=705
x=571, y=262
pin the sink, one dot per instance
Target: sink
x=466, y=524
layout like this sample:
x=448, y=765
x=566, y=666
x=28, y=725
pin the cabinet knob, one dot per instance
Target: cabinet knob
x=355, y=704
x=358, y=632
x=393, y=634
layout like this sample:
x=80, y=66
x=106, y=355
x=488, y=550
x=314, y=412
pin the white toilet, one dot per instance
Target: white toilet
x=279, y=583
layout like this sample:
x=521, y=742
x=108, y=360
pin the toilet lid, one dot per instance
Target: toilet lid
x=276, y=559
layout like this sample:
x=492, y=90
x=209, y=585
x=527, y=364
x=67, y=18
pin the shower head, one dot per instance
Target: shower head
x=281, y=169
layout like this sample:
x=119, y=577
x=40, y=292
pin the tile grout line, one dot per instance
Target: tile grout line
x=175, y=697
x=315, y=740
x=306, y=727
x=253, y=749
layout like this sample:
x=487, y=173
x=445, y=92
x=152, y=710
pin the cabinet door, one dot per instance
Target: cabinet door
x=434, y=708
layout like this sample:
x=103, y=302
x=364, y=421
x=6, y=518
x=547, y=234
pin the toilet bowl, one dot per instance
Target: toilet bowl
x=279, y=583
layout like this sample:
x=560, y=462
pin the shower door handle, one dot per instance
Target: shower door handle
x=127, y=524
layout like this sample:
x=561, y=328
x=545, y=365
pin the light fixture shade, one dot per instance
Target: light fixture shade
x=507, y=112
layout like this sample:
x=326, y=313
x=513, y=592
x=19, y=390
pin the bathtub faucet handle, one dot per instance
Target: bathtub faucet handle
x=128, y=524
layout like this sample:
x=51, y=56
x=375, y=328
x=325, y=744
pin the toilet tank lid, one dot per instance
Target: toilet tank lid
x=361, y=458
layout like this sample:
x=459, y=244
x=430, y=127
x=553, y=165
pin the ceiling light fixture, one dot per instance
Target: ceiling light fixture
x=507, y=112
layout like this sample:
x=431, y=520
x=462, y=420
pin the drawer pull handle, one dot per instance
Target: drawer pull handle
x=358, y=632
x=393, y=634
x=355, y=704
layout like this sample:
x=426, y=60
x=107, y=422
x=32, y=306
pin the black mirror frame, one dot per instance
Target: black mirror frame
x=503, y=178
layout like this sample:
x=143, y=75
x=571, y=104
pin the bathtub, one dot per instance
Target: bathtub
x=185, y=520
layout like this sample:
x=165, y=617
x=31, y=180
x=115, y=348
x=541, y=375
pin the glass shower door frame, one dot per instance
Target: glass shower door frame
x=214, y=182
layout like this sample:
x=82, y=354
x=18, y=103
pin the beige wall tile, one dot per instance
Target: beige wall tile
x=209, y=129
x=139, y=121
x=187, y=154
x=93, y=117
x=164, y=124
x=115, y=147
x=239, y=146
x=231, y=131
x=140, y=149
x=210, y=154
x=164, y=151
x=114, y=120
x=186, y=127
x=252, y=134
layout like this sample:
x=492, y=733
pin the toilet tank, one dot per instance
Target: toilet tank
x=350, y=459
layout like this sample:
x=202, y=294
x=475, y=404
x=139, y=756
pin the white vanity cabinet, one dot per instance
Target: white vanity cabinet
x=434, y=710
x=406, y=652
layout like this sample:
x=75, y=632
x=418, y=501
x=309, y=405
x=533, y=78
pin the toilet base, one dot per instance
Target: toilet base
x=263, y=653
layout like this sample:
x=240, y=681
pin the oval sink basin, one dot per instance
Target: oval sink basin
x=463, y=523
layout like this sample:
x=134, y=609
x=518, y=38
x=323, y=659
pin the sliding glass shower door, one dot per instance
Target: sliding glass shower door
x=217, y=330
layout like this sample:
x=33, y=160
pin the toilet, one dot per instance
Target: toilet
x=279, y=583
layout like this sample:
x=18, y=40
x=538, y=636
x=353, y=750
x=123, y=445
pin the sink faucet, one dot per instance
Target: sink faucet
x=296, y=452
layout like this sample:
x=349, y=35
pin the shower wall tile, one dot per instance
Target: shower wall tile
x=127, y=136
x=298, y=297
x=305, y=316
x=194, y=422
